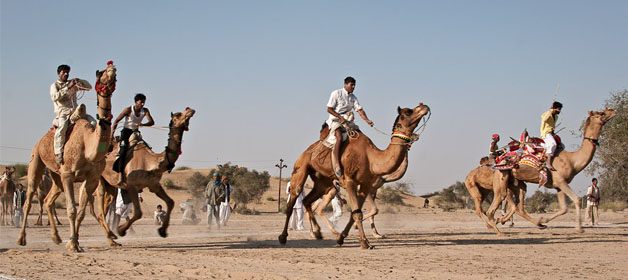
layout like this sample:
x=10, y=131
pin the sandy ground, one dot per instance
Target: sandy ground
x=426, y=244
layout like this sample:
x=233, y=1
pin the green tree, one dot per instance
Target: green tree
x=611, y=159
x=390, y=195
x=196, y=184
x=540, y=201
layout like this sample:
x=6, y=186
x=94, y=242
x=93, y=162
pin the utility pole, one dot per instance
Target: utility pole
x=280, y=166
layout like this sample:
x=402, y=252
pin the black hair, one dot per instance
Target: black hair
x=349, y=80
x=63, y=67
x=557, y=105
x=594, y=179
x=159, y=206
x=140, y=96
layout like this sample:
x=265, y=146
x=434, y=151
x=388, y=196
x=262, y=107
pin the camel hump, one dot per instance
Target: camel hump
x=324, y=131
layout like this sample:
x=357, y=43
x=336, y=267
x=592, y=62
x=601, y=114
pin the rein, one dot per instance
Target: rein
x=413, y=137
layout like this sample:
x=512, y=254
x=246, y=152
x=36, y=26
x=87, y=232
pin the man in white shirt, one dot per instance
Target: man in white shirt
x=63, y=95
x=225, y=207
x=593, y=201
x=336, y=204
x=340, y=107
x=297, y=210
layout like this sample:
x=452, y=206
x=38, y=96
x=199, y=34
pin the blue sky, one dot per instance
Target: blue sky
x=259, y=73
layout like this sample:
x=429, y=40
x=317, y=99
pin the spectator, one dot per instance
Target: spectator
x=297, y=210
x=213, y=195
x=337, y=203
x=19, y=196
x=160, y=215
x=189, y=216
x=593, y=201
x=225, y=204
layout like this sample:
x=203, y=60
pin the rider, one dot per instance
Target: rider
x=340, y=107
x=63, y=95
x=494, y=149
x=133, y=116
x=548, y=124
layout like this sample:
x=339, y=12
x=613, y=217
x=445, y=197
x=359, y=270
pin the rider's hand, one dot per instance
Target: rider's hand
x=370, y=122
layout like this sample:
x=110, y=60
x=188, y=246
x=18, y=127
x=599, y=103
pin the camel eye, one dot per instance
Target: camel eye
x=408, y=113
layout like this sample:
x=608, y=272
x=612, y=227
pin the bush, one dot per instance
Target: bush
x=390, y=196
x=248, y=185
x=169, y=184
x=614, y=206
x=196, y=184
x=453, y=197
x=20, y=170
x=403, y=187
x=182, y=168
x=270, y=198
x=245, y=211
x=540, y=202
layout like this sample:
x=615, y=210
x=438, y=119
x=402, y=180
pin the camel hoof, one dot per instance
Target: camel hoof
x=340, y=240
x=541, y=226
x=59, y=224
x=39, y=224
x=21, y=241
x=579, y=230
x=56, y=239
x=111, y=235
x=318, y=235
x=162, y=232
x=121, y=232
x=73, y=246
x=283, y=239
x=379, y=236
x=364, y=244
x=114, y=244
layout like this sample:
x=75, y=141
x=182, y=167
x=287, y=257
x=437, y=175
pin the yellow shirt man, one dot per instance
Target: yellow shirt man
x=548, y=123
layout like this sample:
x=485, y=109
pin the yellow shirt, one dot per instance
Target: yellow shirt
x=548, y=123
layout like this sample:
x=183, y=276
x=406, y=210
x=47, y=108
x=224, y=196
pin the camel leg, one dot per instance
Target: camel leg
x=161, y=193
x=317, y=192
x=564, y=191
x=512, y=207
x=478, y=198
x=40, y=198
x=299, y=175
x=104, y=193
x=87, y=190
x=54, y=211
x=500, y=181
x=49, y=201
x=522, y=189
x=371, y=214
x=67, y=179
x=35, y=171
x=356, y=199
x=321, y=206
x=137, y=212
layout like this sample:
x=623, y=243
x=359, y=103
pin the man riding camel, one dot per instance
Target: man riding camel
x=133, y=116
x=340, y=107
x=548, y=124
x=63, y=95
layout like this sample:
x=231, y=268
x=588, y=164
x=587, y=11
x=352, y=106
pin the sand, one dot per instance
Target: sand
x=424, y=244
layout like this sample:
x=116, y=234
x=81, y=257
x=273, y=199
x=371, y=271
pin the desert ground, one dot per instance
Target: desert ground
x=420, y=243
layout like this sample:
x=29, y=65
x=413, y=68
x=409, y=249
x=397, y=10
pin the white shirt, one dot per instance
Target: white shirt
x=64, y=99
x=132, y=121
x=342, y=102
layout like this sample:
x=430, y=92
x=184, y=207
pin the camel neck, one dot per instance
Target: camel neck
x=173, y=149
x=387, y=161
x=583, y=156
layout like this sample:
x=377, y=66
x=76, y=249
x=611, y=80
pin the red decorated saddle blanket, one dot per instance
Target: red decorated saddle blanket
x=528, y=151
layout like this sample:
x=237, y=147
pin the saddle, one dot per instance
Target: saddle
x=134, y=140
x=527, y=151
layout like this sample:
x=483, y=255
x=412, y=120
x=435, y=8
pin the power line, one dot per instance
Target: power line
x=16, y=148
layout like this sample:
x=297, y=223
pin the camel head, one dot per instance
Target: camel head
x=595, y=121
x=181, y=119
x=9, y=171
x=107, y=76
x=408, y=119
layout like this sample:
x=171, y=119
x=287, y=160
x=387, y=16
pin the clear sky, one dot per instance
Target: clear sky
x=259, y=73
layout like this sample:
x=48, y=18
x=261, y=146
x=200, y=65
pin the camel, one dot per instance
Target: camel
x=567, y=164
x=84, y=160
x=479, y=183
x=7, y=187
x=370, y=198
x=364, y=164
x=144, y=170
x=42, y=191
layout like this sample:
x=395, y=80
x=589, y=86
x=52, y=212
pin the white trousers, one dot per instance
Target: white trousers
x=62, y=122
x=335, y=203
x=296, y=223
x=550, y=144
x=225, y=212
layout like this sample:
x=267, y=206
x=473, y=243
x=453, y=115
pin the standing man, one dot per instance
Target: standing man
x=297, y=210
x=213, y=194
x=63, y=95
x=133, y=116
x=337, y=203
x=548, y=124
x=340, y=107
x=593, y=201
x=19, y=196
x=225, y=204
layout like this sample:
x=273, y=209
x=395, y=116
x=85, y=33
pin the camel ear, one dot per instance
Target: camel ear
x=99, y=73
x=590, y=113
x=398, y=110
x=171, y=114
